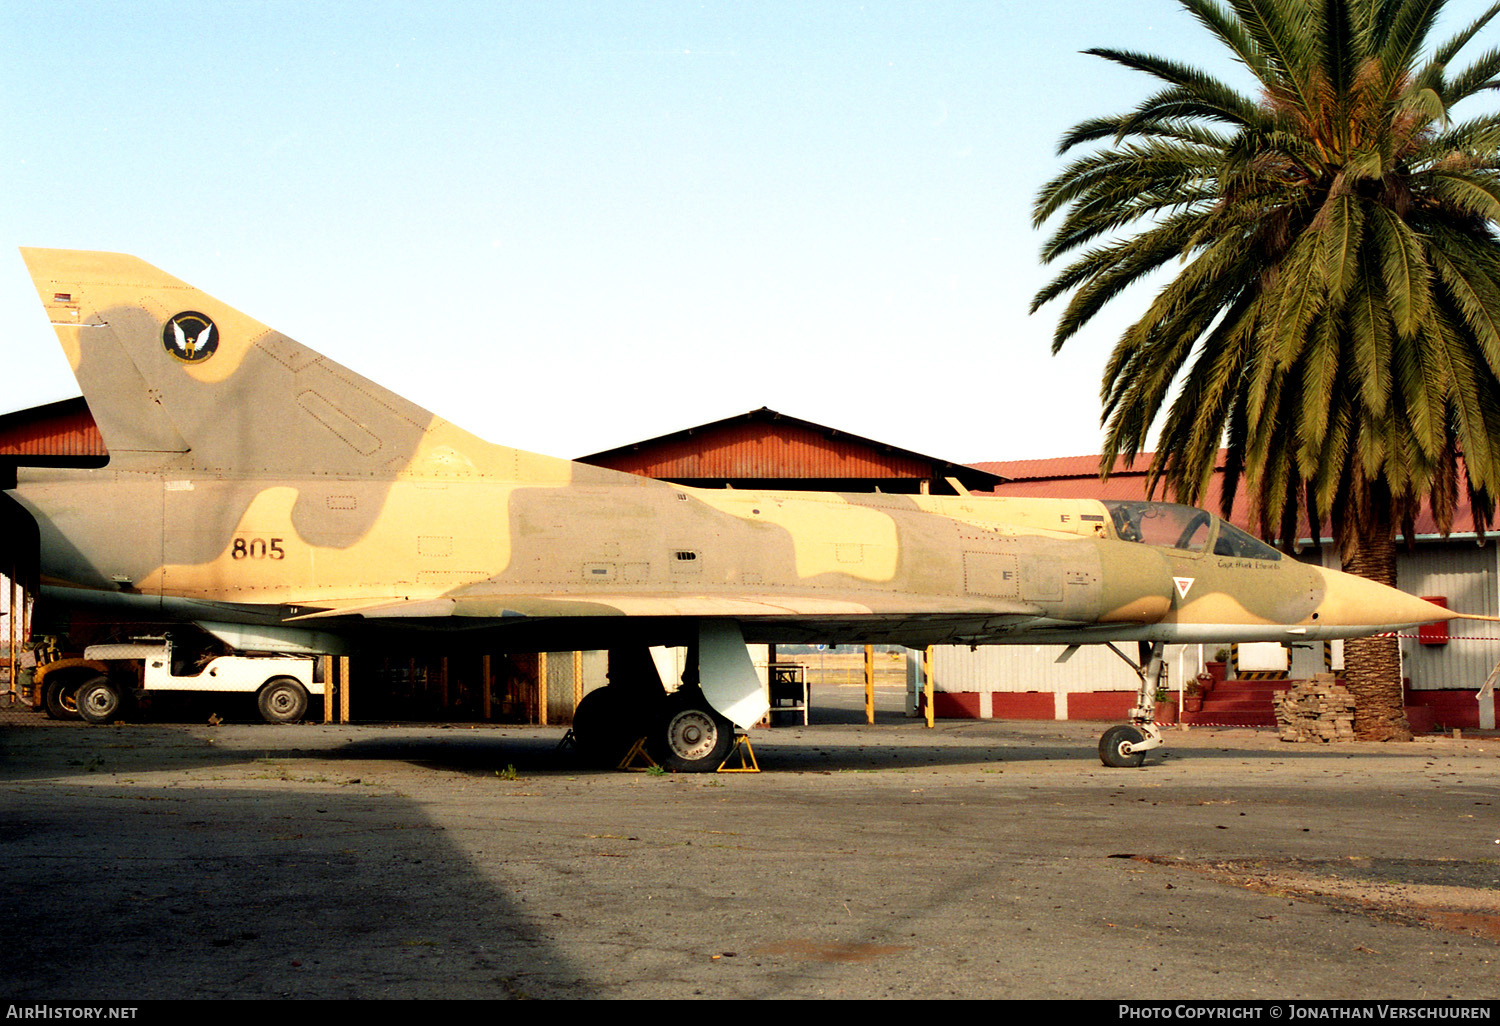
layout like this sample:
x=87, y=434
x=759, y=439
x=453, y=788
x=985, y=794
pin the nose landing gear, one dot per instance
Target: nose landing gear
x=1123, y=746
x=1126, y=745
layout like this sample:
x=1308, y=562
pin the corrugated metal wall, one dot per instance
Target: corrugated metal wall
x=1466, y=574
x=592, y=667
x=1017, y=668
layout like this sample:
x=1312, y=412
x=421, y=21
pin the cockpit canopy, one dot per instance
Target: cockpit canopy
x=1187, y=528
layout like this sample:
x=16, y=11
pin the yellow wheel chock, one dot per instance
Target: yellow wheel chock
x=637, y=752
x=747, y=757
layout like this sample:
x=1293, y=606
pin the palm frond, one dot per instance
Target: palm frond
x=1334, y=323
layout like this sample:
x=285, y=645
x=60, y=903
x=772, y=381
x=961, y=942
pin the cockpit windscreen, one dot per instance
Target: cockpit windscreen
x=1234, y=542
x=1161, y=523
x=1187, y=528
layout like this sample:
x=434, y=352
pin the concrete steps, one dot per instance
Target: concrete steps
x=1239, y=703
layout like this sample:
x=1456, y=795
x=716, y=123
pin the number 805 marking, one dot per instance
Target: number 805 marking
x=257, y=548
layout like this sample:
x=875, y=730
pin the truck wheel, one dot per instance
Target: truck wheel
x=282, y=700
x=58, y=698
x=100, y=700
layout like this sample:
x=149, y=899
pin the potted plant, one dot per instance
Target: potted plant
x=1166, y=709
x=1217, y=668
x=1192, y=698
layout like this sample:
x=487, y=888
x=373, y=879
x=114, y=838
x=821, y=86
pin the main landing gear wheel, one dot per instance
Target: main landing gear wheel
x=1115, y=747
x=605, y=725
x=59, y=698
x=282, y=700
x=690, y=736
x=100, y=700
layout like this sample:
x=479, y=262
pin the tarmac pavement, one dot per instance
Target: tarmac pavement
x=992, y=859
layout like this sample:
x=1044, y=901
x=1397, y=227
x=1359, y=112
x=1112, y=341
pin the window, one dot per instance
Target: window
x=1161, y=523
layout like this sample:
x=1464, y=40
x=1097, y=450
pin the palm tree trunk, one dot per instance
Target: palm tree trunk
x=1372, y=666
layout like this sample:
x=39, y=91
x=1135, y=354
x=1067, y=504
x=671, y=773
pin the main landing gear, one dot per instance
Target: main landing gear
x=1126, y=745
x=691, y=730
x=683, y=733
x=605, y=725
x=689, y=735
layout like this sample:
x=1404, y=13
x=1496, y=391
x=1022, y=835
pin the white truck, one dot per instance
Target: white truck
x=282, y=684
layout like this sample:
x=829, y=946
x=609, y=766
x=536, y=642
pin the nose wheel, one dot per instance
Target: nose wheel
x=1127, y=744
x=1122, y=747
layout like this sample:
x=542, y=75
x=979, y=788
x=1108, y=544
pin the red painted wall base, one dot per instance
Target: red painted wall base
x=1426, y=710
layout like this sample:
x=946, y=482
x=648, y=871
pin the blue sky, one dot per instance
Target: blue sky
x=570, y=225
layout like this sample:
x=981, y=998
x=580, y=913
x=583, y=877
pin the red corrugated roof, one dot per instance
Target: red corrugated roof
x=1055, y=468
x=765, y=445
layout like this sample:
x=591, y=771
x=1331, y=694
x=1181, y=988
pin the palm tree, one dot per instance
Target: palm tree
x=1332, y=318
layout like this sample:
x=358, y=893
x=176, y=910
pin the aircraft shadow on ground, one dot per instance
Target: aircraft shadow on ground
x=133, y=892
x=818, y=748
x=77, y=750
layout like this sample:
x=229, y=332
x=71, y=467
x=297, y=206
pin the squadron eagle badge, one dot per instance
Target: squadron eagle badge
x=190, y=336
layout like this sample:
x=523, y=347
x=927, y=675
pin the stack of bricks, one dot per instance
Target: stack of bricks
x=1318, y=710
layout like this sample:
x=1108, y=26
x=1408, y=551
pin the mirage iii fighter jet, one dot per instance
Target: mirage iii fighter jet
x=252, y=481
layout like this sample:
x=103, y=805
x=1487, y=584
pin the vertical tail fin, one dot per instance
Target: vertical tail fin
x=176, y=378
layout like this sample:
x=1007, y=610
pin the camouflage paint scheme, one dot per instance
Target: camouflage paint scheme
x=252, y=480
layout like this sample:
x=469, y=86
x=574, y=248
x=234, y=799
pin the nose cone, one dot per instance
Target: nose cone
x=1366, y=607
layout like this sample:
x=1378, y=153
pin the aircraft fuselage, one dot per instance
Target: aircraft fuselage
x=788, y=565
